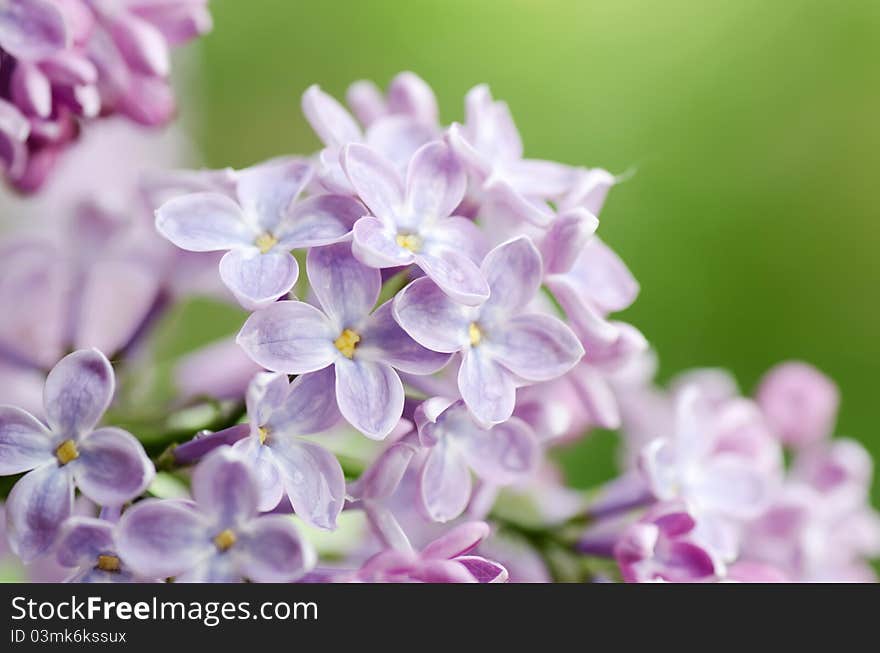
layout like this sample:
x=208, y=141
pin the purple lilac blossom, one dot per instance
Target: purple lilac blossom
x=87, y=546
x=108, y=465
x=219, y=536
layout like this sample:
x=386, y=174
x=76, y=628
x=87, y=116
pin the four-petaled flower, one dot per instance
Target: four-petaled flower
x=219, y=537
x=108, y=465
x=88, y=545
x=502, y=344
x=259, y=227
x=364, y=348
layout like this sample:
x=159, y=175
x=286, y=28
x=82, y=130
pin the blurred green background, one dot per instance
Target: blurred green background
x=752, y=222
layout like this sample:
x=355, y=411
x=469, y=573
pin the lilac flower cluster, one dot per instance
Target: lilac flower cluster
x=66, y=62
x=389, y=412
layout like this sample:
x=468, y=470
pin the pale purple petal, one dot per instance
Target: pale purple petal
x=409, y=94
x=435, y=182
x=537, y=178
x=258, y=279
x=599, y=278
x=502, y=454
x=83, y=539
x=272, y=551
x=383, y=476
x=589, y=190
x=433, y=320
x=732, y=486
x=513, y=271
x=77, y=392
x=112, y=467
x=313, y=479
x=204, y=222
x=485, y=571
x=309, y=407
x=374, y=244
x=31, y=89
x=491, y=127
x=597, y=396
x=486, y=387
x=566, y=238
x=289, y=337
x=398, y=137
x=35, y=509
x=382, y=339
x=265, y=394
x=459, y=234
x=159, y=538
x=370, y=396
x=445, y=483
x=223, y=486
x=265, y=468
x=535, y=347
x=24, y=442
x=374, y=178
x=457, y=541
x=443, y=571
x=195, y=374
x=331, y=122
x=503, y=200
x=345, y=287
x=455, y=273
x=32, y=29
x=319, y=220
x=366, y=101
x=267, y=191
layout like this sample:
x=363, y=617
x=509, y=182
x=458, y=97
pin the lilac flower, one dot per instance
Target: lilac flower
x=660, y=547
x=220, y=537
x=259, y=229
x=409, y=96
x=413, y=222
x=364, y=348
x=108, y=465
x=88, y=545
x=502, y=346
x=499, y=455
x=800, y=403
x=445, y=560
x=490, y=146
x=406, y=125
x=280, y=413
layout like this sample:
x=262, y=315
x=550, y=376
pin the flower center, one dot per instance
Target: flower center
x=265, y=241
x=475, y=334
x=409, y=241
x=346, y=342
x=108, y=563
x=66, y=452
x=264, y=433
x=224, y=539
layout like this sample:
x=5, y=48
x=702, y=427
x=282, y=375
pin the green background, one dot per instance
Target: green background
x=752, y=219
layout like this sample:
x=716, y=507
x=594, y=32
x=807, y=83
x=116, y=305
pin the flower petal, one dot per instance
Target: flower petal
x=435, y=183
x=266, y=470
x=456, y=274
x=310, y=405
x=486, y=387
x=370, y=396
x=289, y=337
x=35, y=509
x=77, y=392
x=331, y=122
x=457, y=541
x=274, y=552
x=513, y=271
x=734, y=487
x=535, y=347
x=162, y=538
x=32, y=29
x=409, y=94
x=319, y=220
x=266, y=393
x=204, y=222
x=83, y=539
x=485, y=571
x=112, y=467
x=375, y=244
x=445, y=483
x=313, y=479
x=431, y=318
x=224, y=487
x=503, y=454
x=258, y=279
x=24, y=442
x=267, y=191
x=459, y=234
x=490, y=126
x=374, y=178
x=382, y=339
x=345, y=287
x=537, y=178
x=566, y=238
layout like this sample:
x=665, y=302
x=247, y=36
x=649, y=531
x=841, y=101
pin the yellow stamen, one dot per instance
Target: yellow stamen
x=475, y=334
x=108, y=563
x=224, y=539
x=346, y=342
x=264, y=433
x=409, y=241
x=66, y=452
x=265, y=242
